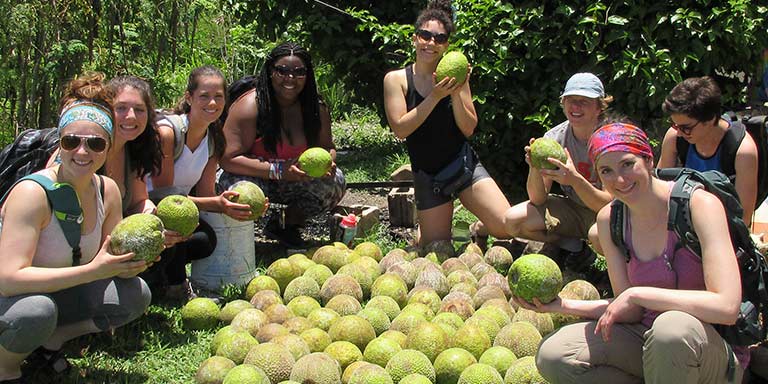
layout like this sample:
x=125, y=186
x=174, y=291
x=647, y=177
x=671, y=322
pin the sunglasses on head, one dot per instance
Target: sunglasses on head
x=285, y=71
x=440, y=38
x=93, y=143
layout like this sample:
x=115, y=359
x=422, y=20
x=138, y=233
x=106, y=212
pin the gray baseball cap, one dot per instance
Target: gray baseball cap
x=584, y=84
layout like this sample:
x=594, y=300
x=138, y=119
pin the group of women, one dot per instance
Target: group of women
x=657, y=329
x=121, y=158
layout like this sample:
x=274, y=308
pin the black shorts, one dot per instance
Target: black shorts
x=426, y=197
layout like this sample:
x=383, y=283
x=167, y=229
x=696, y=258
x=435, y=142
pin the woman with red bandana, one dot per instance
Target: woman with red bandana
x=659, y=326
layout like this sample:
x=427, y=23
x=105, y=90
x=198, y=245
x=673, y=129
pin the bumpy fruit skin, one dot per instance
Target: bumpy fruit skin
x=453, y=64
x=535, y=275
x=178, y=213
x=315, y=161
x=251, y=194
x=543, y=148
x=200, y=313
x=141, y=234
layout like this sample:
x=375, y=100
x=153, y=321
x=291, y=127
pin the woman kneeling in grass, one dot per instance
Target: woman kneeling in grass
x=659, y=327
x=47, y=295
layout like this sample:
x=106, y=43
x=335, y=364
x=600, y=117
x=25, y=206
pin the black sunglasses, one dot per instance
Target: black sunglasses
x=440, y=38
x=285, y=71
x=686, y=129
x=93, y=143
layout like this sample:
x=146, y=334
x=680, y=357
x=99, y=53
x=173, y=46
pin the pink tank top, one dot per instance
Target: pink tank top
x=284, y=151
x=681, y=269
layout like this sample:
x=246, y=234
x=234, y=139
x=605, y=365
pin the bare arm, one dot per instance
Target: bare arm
x=668, y=157
x=207, y=200
x=140, y=202
x=240, y=131
x=746, y=176
x=402, y=121
x=719, y=303
x=464, y=109
x=26, y=214
x=566, y=174
x=165, y=178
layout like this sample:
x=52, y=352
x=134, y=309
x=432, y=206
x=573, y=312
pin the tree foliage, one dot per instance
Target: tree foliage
x=522, y=52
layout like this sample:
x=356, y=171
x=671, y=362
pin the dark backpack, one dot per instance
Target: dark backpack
x=748, y=329
x=28, y=154
x=756, y=126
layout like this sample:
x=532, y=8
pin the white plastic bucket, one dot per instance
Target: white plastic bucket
x=234, y=259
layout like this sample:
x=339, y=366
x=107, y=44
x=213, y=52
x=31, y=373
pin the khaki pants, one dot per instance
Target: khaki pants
x=677, y=349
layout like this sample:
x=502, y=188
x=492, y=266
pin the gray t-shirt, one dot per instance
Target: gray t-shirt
x=563, y=134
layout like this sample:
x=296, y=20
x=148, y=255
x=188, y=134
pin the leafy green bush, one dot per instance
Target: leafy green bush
x=522, y=54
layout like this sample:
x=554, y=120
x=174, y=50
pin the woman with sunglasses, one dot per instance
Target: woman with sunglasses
x=268, y=127
x=46, y=296
x=699, y=136
x=192, y=174
x=658, y=328
x=435, y=119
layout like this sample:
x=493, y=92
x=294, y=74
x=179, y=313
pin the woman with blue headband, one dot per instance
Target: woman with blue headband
x=47, y=295
x=658, y=327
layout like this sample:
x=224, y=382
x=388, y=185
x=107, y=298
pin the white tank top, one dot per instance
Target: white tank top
x=187, y=170
x=53, y=250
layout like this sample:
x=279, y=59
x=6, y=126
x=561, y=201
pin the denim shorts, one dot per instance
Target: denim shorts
x=426, y=197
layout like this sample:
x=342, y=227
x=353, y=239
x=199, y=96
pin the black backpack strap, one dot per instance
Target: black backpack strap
x=730, y=145
x=617, y=227
x=66, y=208
x=682, y=149
x=679, y=219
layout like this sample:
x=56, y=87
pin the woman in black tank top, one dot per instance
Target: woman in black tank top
x=435, y=129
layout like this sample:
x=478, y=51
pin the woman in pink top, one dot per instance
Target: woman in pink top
x=658, y=327
x=266, y=130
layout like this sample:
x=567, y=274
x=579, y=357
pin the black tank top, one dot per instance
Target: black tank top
x=438, y=139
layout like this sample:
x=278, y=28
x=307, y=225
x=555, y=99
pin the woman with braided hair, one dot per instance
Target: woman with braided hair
x=268, y=127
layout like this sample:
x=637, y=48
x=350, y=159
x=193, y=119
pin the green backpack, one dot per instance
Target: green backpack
x=66, y=207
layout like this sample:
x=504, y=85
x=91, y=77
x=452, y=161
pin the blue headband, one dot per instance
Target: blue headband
x=80, y=111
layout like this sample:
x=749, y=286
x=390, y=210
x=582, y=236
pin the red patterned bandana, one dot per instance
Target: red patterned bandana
x=618, y=137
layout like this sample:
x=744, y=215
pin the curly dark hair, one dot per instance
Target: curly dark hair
x=269, y=118
x=439, y=10
x=215, y=129
x=144, y=151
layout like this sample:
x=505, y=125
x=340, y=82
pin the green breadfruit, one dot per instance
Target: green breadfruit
x=252, y=195
x=246, y=374
x=213, y=370
x=542, y=321
x=344, y=352
x=450, y=363
x=535, y=275
x=415, y=378
x=200, y=313
x=369, y=249
x=274, y=359
x=301, y=286
x=498, y=357
x=354, y=329
x=524, y=371
x=141, y=234
x=370, y=374
x=429, y=339
x=317, y=368
x=544, y=148
x=453, y=64
x=236, y=346
x=380, y=350
x=315, y=161
x=407, y=362
x=480, y=374
x=178, y=214
x=522, y=338
x=231, y=310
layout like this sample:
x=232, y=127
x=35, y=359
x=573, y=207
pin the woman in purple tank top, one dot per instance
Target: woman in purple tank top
x=658, y=327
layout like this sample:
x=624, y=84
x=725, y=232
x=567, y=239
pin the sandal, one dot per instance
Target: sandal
x=53, y=360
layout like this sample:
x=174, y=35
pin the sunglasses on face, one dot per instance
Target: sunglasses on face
x=440, y=38
x=285, y=71
x=93, y=143
x=685, y=129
